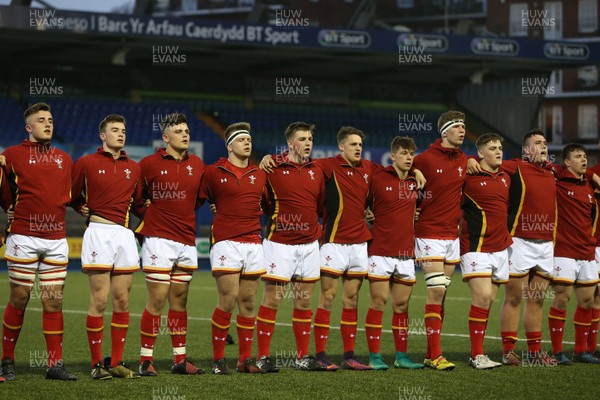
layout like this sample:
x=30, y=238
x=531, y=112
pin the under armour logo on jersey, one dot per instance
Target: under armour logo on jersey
x=366, y=176
x=312, y=174
x=350, y=173
x=439, y=170
x=557, y=329
x=374, y=337
x=483, y=183
x=570, y=193
x=460, y=170
x=286, y=172
x=31, y=161
x=223, y=180
x=412, y=186
x=590, y=198
x=102, y=171
x=59, y=163
x=96, y=341
x=504, y=181
x=190, y=168
x=218, y=338
x=478, y=332
x=388, y=188
x=127, y=173
x=264, y=333
x=252, y=179
x=432, y=331
x=165, y=172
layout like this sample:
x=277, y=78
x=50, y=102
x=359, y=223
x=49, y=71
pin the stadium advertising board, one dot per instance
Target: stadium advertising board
x=297, y=35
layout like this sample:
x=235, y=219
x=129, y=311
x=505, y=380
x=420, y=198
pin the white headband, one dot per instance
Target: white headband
x=236, y=134
x=450, y=124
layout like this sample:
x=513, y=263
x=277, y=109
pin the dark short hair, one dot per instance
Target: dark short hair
x=571, y=148
x=238, y=126
x=172, y=119
x=108, y=119
x=449, y=116
x=533, y=132
x=37, y=107
x=297, y=126
x=346, y=131
x=404, y=142
x=486, y=138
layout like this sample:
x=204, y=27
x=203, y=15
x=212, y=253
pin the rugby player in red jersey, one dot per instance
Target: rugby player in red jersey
x=574, y=256
x=171, y=178
x=484, y=240
x=40, y=189
x=393, y=197
x=236, y=187
x=295, y=192
x=105, y=184
x=436, y=231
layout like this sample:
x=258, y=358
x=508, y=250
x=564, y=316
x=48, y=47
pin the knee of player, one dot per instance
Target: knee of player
x=120, y=303
x=52, y=304
x=302, y=304
x=436, y=293
x=586, y=302
x=98, y=305
x=560, y=300
x=271, y=300
x=378, y=302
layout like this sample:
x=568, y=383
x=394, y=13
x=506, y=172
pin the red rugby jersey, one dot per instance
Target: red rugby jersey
x=532, y=204
x=485, y=209
x=295, y=195
x=576, y=216
x=596, y=170
x=39, y=176
x=346, y=191
x=393, y=201
x=238, y=201
x=172, y=186
x=107, y=185
x=445, y=171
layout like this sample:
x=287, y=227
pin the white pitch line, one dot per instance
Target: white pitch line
x=460, y=335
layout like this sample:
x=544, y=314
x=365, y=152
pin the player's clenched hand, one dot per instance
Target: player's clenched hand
x=147, y=203
x=417, y=213
x=10, y=213
x=84, y=210
x=420, y=178
x=369, y=216
x=213, y=209
x=2, y=161
x=473, y=167
x=267, y=163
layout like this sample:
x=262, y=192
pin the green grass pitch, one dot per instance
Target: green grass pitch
x=574, y=381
